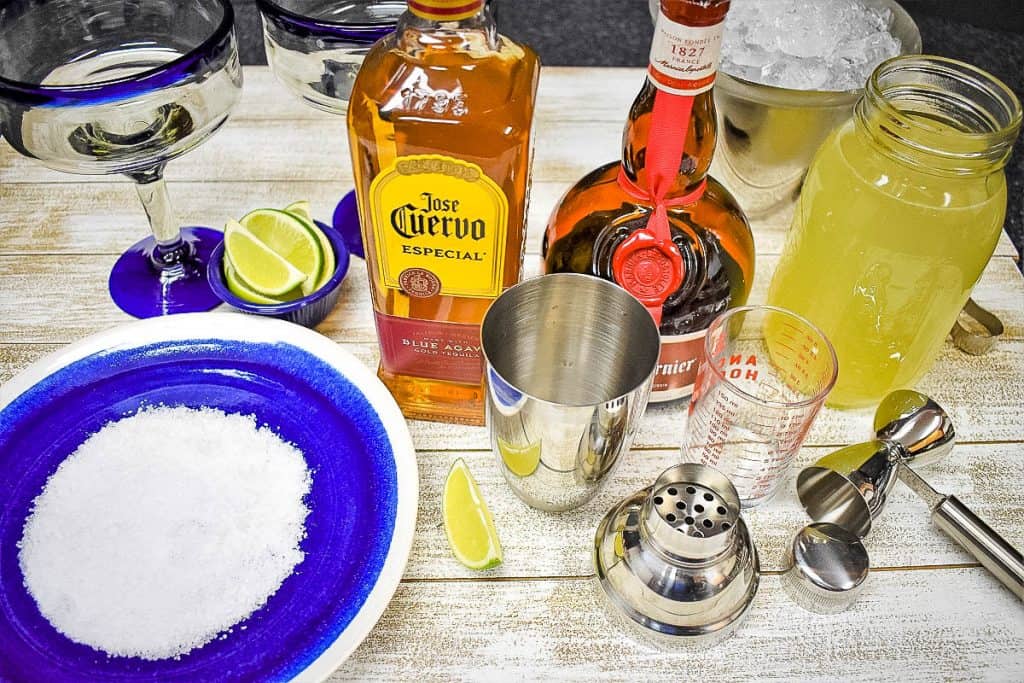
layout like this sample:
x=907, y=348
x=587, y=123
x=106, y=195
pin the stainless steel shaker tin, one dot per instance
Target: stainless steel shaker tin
x=570, y=361
x=675, y=564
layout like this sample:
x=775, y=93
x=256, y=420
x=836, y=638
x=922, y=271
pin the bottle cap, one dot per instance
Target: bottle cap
x=445, y=10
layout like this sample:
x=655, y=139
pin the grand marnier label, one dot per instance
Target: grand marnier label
x=684, y=58
x=439, y=227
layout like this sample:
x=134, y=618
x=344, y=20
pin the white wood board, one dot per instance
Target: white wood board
x=929, y=612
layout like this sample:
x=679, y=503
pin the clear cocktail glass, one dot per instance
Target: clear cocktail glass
x=123, y=87
x=316, y=47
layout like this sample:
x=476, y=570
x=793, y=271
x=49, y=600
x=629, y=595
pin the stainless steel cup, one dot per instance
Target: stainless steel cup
x=570, y=362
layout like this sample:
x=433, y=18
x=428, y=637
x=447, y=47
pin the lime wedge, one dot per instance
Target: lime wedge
x=243, y=291
x=301, y=211
x=520, y=461
x=292, y=238
x=468, y=522
x=255, y=264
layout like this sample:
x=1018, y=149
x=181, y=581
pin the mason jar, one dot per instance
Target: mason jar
x=901, y=210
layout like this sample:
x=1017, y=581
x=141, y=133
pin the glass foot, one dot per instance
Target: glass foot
x=141, y=289
x=346, y=221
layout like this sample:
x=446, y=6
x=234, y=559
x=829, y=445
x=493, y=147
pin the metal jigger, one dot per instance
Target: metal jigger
x=850, y=486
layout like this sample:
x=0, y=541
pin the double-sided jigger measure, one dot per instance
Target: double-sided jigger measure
x=850, y=486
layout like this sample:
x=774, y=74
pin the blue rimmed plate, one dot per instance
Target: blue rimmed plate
x=305, y=387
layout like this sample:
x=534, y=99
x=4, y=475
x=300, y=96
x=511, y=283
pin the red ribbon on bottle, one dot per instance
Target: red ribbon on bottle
x=648, y=264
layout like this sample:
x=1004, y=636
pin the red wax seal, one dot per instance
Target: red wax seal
x=648, y=268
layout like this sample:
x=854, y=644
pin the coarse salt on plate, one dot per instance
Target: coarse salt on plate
x=304, y=387
x=164, y=529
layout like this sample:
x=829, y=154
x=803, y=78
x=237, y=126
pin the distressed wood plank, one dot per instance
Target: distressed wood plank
x=565, y=94
x=579, y=127
x=983, y=395
x=545, y=630
x=95, y=218
x=539, y=544
x=318, y=150
x=49, y=280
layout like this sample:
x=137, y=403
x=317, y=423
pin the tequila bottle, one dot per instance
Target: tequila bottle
x=440, y=129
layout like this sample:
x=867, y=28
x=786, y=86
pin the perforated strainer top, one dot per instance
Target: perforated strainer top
x=676, y=558
x=694, y=510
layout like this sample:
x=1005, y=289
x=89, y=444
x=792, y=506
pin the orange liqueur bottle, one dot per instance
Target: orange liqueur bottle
x=656, y=223
x=440, y=123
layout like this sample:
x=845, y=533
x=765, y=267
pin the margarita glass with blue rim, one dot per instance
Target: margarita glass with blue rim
x=316, y=47
x=123, y=87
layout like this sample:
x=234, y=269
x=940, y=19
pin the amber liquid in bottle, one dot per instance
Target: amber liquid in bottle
x=450, y=100
x=712, y=234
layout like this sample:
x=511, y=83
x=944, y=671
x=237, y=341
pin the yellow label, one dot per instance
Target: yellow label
x=440, y=215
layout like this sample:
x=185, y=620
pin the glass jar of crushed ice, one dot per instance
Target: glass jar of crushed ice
x=900, y=212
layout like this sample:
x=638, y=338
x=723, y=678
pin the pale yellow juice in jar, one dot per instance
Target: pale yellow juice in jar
x=882, y=255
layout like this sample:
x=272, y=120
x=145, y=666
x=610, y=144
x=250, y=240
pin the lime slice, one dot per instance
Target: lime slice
x=468, y=522
x=243, y=291
x=520, y=461
x=290, y=237
x=255, y=264
x=301, y=210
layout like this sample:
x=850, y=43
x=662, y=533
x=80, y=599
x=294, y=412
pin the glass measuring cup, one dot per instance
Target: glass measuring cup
x=763, y=379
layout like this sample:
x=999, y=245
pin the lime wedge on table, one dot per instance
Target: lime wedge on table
x=290, y=237
x=301, y=210
x=256, y=265
x=468, y=522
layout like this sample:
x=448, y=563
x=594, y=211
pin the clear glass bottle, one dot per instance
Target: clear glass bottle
x=440, y=129
x=900, y=212
x=605, y=224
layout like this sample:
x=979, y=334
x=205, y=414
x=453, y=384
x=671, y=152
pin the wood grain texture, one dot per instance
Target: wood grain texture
x=984, y=393
x=535, y=618
x=955, y=624
x=49, y=281
x=317, y=150
x=984, y=396
x=91, y=218
x=563, y=95
x=303, y=153
x=539, y=544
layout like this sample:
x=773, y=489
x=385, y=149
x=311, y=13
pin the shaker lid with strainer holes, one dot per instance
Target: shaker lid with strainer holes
x=674, y=563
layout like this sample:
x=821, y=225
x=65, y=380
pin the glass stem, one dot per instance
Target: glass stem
x=170, y=249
